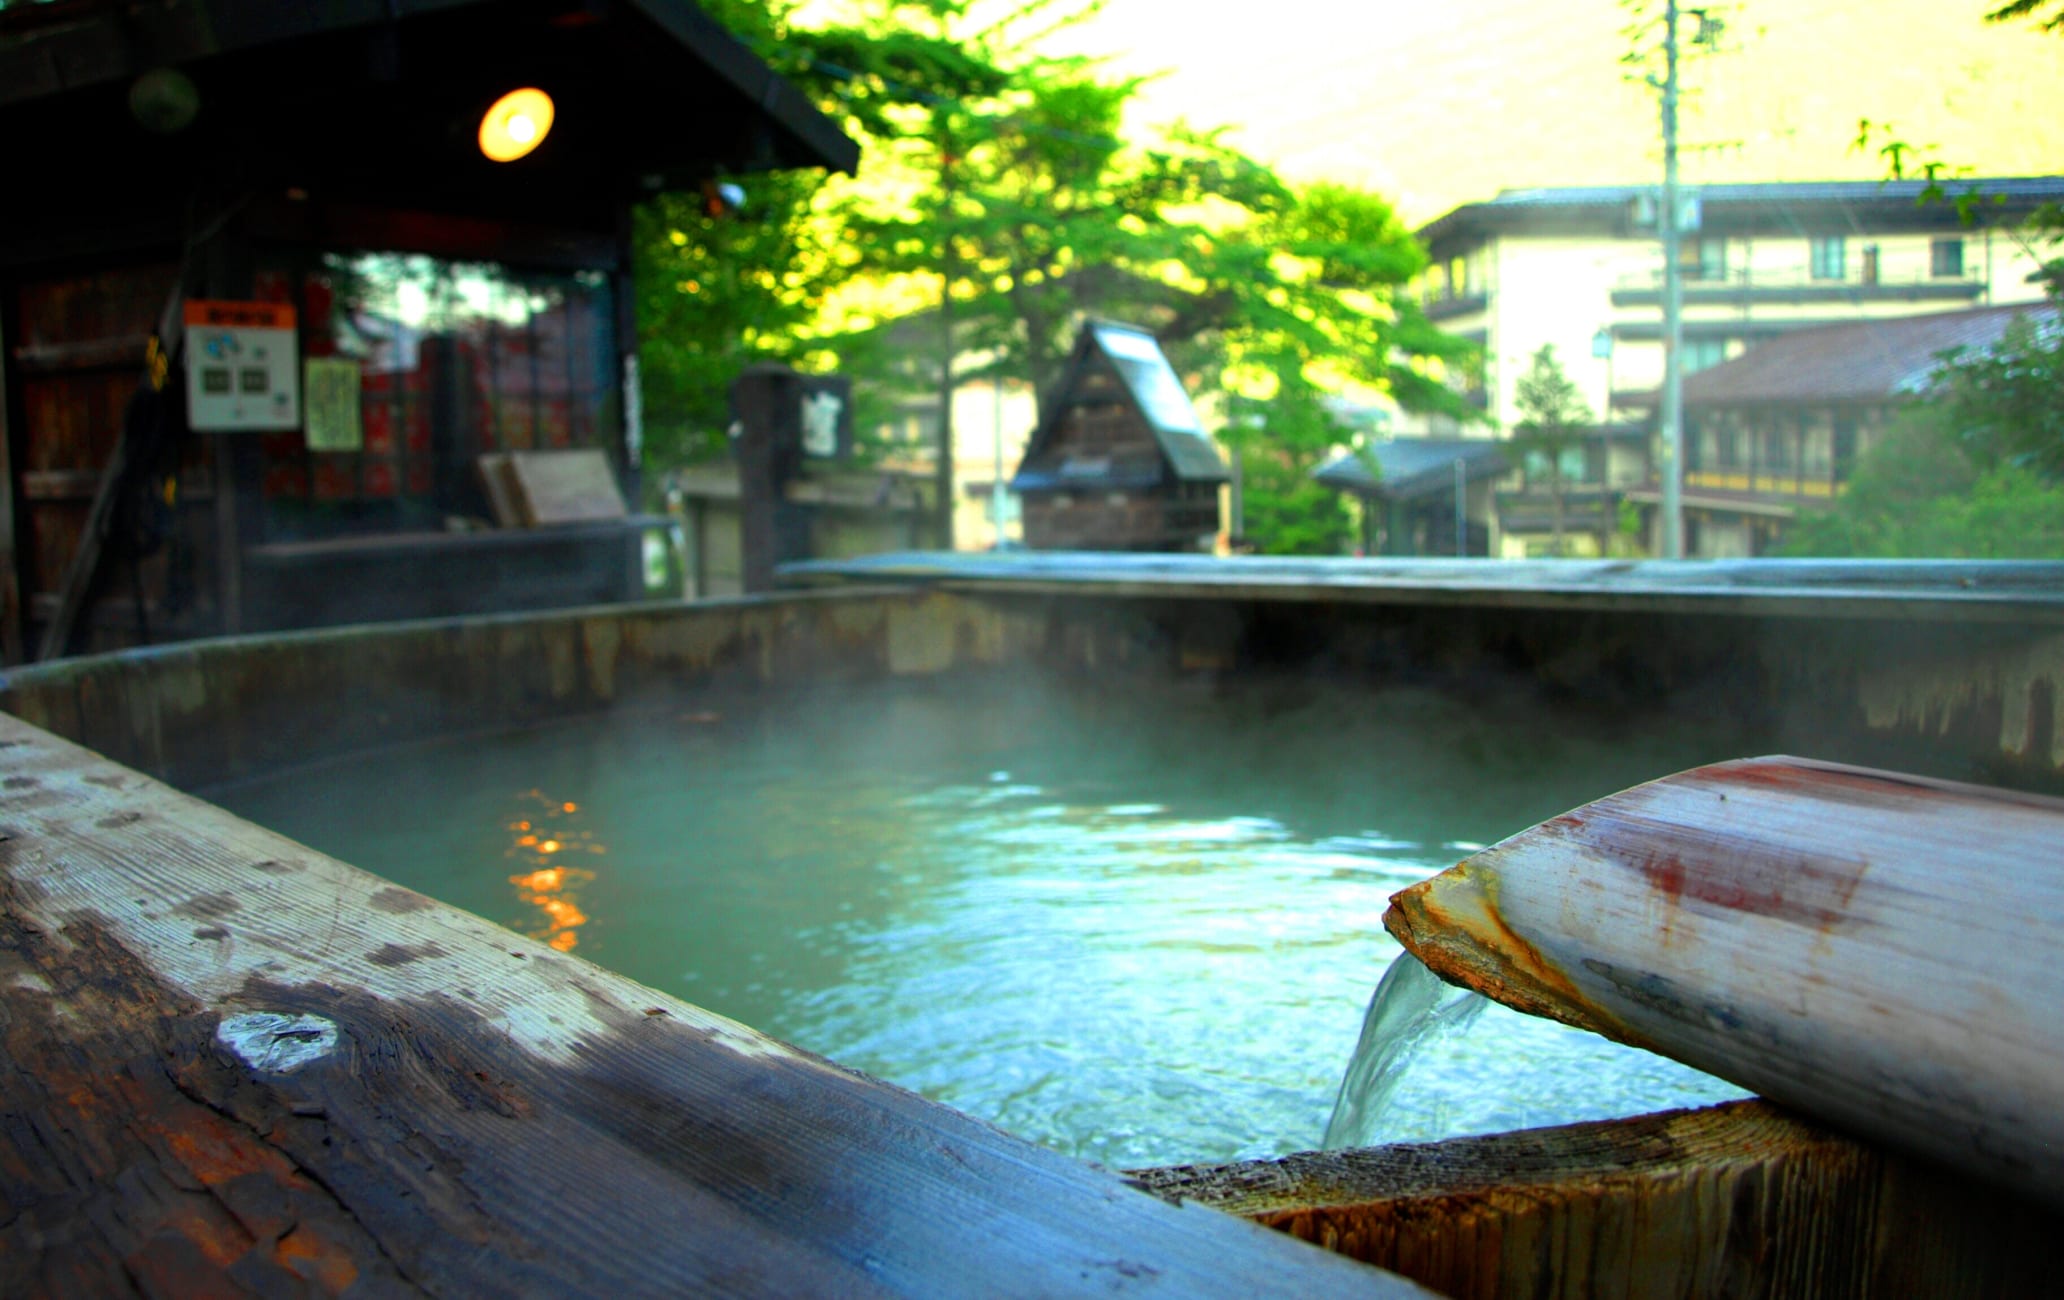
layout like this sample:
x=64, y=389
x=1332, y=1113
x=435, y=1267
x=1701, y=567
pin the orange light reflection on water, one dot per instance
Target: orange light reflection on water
x=541, y=842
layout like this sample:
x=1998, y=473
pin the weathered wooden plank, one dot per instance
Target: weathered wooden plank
x=563, y=487
x=234, y=1063
x=1732, y=1201
x=1875, y=949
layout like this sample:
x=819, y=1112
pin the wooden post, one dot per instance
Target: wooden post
x=761, y=402
x=1875, y=949
x=11, y=631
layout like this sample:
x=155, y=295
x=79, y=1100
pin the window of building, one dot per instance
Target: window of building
x=1817, y=450
x=1830, y=258
x=1780, y=451
x=1703, y=354
x=1703, y=259
x=1727, y=447
x=1574, y=464
x=1946, y=257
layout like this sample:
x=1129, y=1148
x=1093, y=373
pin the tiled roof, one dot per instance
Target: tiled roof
x=1412, y=467
x=1863, y=361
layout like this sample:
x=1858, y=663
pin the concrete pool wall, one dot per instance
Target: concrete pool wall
x=1955, y=671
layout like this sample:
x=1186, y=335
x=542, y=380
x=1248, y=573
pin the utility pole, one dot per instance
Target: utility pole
x=997, y=496
x=1672, y=467
x=942, y=466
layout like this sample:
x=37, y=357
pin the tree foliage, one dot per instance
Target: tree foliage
x=1276, y=446
x=720, y=290
x=1553, y=419
x=2051, y=21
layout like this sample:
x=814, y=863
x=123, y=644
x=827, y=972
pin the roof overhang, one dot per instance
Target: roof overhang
x=1795, y=209
x=1406, y=469
x=379, y=100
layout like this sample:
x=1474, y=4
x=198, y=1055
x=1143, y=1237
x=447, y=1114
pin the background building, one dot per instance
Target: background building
x=1780, y=428
x=1581, y=268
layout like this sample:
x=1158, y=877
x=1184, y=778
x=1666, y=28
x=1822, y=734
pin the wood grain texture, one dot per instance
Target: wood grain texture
x=233, y=1064
x=1741, y=1200
x=1875, y=949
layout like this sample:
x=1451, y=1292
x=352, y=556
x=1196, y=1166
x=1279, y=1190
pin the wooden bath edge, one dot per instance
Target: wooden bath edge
x=1739, y=1199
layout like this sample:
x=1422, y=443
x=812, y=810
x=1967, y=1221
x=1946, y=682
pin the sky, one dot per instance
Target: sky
x=1436, y=104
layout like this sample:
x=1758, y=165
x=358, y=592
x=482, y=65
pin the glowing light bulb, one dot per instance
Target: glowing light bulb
x=517, y=123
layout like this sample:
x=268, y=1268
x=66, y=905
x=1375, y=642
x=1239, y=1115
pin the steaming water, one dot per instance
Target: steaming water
x=1138, y=926
x=1412, y=1011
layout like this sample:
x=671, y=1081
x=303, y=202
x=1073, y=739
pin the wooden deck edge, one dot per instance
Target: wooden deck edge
x=1741, y=1199
x=228, y=1063
x=1948, y=591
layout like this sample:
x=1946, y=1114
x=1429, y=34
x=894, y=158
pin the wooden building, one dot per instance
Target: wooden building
x=1119, y=461
x=325, y=170
x=1779, y=429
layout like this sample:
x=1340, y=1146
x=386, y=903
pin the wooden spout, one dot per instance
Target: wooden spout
x=1873, y=948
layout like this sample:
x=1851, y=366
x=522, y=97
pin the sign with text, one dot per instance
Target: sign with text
x=243, y=370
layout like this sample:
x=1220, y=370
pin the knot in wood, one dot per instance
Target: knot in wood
x=276, y=1044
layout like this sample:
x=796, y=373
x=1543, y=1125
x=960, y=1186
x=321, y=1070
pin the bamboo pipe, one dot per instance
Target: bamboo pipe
x=1876, y=949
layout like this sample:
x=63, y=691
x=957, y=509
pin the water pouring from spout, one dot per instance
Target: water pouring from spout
x=1411, y=1010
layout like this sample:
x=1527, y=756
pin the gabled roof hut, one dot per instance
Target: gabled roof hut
x=1119, y=460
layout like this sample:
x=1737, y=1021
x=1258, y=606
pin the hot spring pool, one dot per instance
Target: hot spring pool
x=1138, y=925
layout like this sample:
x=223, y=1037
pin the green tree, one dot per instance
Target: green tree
x=2033, y=9
x=721, y=289
x=1276, y=446
x=1553, y=420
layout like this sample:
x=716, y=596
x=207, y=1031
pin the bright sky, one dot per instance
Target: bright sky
x=1437, y=103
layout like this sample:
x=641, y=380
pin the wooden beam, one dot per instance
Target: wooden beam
x=1736, y=1200
x=1875, y=949
x=234, y=1063
x=11, y=632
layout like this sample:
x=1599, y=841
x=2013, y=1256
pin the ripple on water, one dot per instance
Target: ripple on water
x=1139, y=926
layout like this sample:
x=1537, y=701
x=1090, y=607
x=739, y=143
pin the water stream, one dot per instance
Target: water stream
x=1411, y=1009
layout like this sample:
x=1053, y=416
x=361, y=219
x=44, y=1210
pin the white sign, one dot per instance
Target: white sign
x=243, y=370
x=821, y=422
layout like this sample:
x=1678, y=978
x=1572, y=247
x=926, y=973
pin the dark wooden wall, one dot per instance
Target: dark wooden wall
x=74, y=358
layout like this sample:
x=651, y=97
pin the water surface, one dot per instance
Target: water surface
x=1138, y=925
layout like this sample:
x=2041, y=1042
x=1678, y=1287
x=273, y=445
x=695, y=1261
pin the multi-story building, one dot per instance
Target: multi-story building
x=1779, y=430
x=1581, y=268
